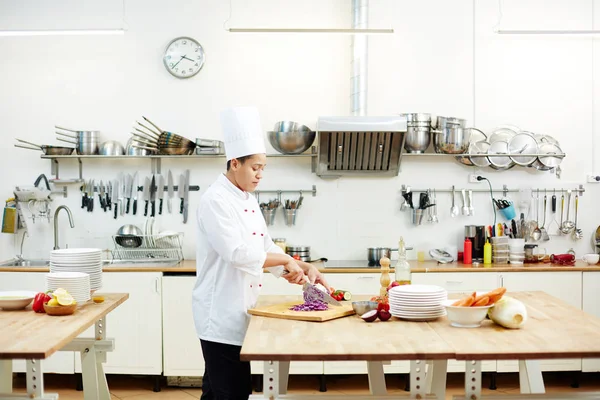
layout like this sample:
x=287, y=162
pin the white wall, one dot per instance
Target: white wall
x=443, y=58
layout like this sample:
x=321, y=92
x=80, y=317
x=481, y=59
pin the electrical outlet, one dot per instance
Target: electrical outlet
x=473, y=178
x=593, y=179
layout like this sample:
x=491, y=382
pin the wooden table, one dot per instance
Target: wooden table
x=25, y=334
x=554, y=330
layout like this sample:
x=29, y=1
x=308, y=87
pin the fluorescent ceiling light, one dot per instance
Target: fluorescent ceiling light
x=312, y=30
x=547, y=32
x=73, y=32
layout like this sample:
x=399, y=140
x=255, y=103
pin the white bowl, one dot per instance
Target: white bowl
x=465, y=317
x=15, y=299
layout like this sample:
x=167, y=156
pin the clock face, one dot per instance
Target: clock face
x=184, y=57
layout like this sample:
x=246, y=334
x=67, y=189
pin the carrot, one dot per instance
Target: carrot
x=470, y=300
x=483, y=301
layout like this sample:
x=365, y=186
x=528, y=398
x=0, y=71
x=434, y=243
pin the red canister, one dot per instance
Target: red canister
x=468, y=252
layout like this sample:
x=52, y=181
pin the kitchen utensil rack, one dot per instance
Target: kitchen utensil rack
x=580, y=190
x=280, y=192
x=154, y=248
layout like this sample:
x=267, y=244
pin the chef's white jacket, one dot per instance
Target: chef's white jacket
x=232, y=247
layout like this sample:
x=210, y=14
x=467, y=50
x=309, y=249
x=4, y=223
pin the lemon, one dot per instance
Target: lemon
x=53, y=302
x=59, y=292
x=65, y=299
x=98, y=299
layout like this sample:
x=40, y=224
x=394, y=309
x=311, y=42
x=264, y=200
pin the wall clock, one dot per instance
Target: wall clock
x=183, y=57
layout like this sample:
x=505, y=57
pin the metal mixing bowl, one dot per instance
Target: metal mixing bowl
x=129, y=236
x=361, y=307
x=290, y=126
x=112, y=148
x=294, y=142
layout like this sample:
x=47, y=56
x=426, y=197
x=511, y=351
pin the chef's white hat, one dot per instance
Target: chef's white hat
x=242, y=133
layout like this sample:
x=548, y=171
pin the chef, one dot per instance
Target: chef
x=233, y=247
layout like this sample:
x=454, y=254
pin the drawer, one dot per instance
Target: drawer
x=357, y=284
x=458, y=282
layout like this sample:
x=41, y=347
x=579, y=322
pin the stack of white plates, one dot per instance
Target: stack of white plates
x=417, y=302
x=76, y=283
x=88, y=261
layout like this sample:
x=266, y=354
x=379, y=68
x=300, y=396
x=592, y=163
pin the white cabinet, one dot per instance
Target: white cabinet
x=461, y=282
x=182, y=351
x=563, y=285
x=62, y=362
x=136, y=325
x=591, y=305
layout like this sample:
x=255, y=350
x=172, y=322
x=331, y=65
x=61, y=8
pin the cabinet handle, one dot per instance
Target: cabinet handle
x=366, y=277
x=501, y=281
x=156, y=285
x=457, y=282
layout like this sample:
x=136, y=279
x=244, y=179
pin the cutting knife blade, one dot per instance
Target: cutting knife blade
x=109, y=195
x=170, y=191
x=146, y=194
x=122, y=188
x=115, y=196
x=161, y=193
x=314, y=293
x=153, y=195
x=180, y=191
x=128, y=191
x=186, y=192
x=135, y=192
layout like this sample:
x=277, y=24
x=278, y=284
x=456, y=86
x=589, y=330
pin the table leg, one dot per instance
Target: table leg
x=271, y=380
x=473, y=380
x=89, y=371
x=436, y=378
x=284, y=374
x=376, y=378
x=35, y=378
x=100, y=333
x=530, y=377
x=417, y=379
x=6, y=376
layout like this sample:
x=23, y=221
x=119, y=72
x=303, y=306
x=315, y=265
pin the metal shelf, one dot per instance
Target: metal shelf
x=561, y=155
x=168, y=156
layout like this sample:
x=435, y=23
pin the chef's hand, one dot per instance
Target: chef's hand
x=314, y=276
x=295, y=273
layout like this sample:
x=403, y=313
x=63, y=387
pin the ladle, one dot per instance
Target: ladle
x=577, y=232
x=567, y=226
x=537, y=233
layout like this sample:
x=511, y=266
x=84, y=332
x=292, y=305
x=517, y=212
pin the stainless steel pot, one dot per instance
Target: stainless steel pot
x=443, y=122
x=374, y=254
x=417, y=139
x=451, y=140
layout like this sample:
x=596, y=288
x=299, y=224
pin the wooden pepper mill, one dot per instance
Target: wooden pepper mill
x=385, y=276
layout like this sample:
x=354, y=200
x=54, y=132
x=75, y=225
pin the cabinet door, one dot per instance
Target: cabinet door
x=182, y=350
x=591, y=305
x=562, y=285
x=136, y=325
x=62, y=362
x=461, y=282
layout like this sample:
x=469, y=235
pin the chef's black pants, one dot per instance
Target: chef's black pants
x=226, y=377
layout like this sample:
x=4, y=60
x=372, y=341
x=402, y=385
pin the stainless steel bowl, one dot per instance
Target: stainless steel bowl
x=129, y=229
x=361, y=307
x=290, y=126
x=295, y=142
x=417, y=139
x=87, y=148
x=112, y=148
x=129, y=236
x=451, y=140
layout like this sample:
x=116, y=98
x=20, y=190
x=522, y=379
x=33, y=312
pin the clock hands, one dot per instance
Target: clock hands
x=182, y=57
x=188, y=58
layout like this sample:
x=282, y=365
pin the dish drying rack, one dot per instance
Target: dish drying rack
x=153, y=249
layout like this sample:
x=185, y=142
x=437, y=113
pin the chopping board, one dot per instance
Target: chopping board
x=282, y=310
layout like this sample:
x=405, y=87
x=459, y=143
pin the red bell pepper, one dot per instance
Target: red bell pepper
x=38, y=302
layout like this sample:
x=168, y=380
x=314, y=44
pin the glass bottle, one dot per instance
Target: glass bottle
x=402, y=273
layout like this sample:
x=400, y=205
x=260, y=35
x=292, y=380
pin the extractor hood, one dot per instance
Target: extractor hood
x=359, y=145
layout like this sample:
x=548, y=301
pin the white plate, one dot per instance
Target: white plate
x=75, y=251
x=15, y=299
x=429, y=289
x=67, y=275
x=417, y=319
x=417, y=309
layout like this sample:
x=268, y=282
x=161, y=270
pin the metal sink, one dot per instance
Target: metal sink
x=25, y=263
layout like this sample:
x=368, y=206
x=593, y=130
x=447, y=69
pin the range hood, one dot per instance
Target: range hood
x=359, y=145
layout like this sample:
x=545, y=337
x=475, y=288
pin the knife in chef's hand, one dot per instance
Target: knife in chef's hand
x=153, y=195
x=146, y=193
x=170, y=191
x=135, y=192
x=313, y=293
x=161, y=192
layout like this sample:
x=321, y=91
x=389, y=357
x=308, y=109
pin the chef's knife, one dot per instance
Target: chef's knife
x=161, y=193
x=91, y=196
x=170, y=191
x=186, y=192
x=146, y=194
x=109, y=195
x=180, y=191
x=83, y=195
x=135, y=192
x=128, y=191
x=101, y=196
x=115, y=196
x=311, y=291
x=153, y=195
x=122, y=194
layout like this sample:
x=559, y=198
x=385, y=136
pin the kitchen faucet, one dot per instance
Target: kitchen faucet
x=56, y=223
